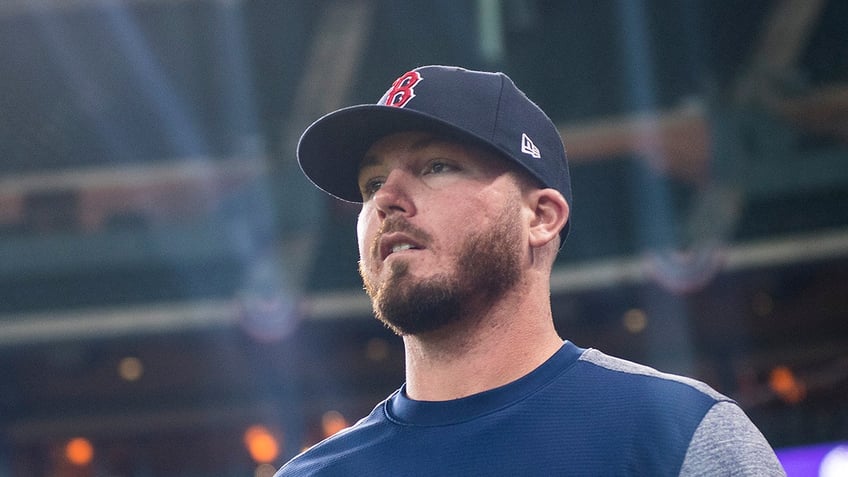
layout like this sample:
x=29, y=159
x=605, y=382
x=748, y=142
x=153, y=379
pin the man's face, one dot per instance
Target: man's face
x=439, y=232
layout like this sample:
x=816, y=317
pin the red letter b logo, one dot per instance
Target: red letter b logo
x=402, y=90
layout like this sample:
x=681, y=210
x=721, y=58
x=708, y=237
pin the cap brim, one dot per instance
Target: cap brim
x=330, y=150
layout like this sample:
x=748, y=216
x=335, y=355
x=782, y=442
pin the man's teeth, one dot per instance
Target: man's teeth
x=401, y=247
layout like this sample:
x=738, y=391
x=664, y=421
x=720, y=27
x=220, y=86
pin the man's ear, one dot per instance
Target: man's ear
x=550, y=213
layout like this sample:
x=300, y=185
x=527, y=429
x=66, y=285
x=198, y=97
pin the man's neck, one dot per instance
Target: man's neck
x=492, y=348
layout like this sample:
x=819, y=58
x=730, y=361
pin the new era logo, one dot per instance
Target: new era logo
x=527, y=147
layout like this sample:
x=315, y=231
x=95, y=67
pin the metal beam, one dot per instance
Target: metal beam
x=676, y=142
x=162, y=190
x=42, y=328
x=779, y=47
x=333, y=58
x=24, y=7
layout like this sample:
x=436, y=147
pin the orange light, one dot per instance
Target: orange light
x=261, y=444
x=333, y=422
x=783, y=382
x=377, y=349
x=79, y=451
x=635, y=320
x=130, y=368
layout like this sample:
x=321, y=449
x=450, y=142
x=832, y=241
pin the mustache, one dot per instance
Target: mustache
x=398, y=224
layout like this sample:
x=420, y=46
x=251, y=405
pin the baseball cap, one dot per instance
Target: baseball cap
x=482, y=107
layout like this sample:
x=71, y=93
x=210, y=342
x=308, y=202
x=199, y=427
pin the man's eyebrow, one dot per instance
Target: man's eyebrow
x=428, y=141
x=423, y=143
x=367, y=161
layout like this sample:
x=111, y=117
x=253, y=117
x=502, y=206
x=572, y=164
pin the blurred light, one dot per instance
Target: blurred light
x=79, y=451
x=635, y=320
x=265, y=470
x=333, y=422
x=261, y=444
x=762, y=304
x=783, y=382
x=686, y=271
x=130, y=369
x=819, y=460
x=377, y=349
x=835, y=463
x=268, y=309
x=490, y=28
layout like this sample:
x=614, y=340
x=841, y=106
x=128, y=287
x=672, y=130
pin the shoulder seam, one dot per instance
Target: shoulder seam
x=598, y=358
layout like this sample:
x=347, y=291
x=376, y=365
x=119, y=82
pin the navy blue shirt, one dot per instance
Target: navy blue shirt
x=579, y=413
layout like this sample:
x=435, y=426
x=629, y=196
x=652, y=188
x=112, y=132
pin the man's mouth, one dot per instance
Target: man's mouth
x=391, y=244
x=402, y=246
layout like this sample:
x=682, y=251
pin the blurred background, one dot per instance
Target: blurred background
x=177, y=300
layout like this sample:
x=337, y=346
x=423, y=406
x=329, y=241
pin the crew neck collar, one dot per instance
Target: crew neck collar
x=401, y=409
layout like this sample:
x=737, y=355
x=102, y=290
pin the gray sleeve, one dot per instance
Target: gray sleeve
x=727, y=443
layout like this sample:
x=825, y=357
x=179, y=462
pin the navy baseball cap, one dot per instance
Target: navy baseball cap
x=486, y=108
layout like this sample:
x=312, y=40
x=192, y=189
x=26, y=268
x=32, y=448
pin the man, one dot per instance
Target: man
x=465, y=198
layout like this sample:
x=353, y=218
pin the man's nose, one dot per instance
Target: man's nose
x=394, y=196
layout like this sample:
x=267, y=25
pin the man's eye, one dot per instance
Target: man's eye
x=371, y=187
x=437, y=167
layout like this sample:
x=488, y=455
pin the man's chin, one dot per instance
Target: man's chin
x=411, y=306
